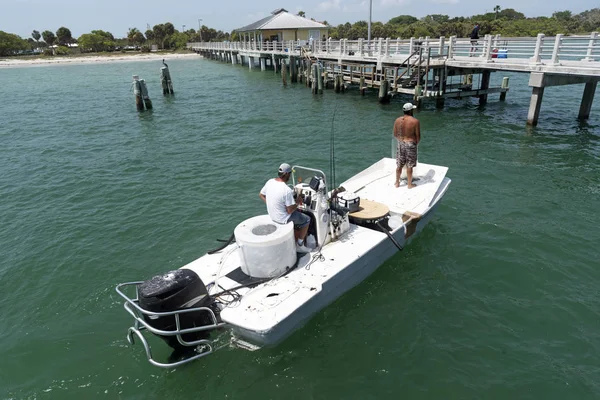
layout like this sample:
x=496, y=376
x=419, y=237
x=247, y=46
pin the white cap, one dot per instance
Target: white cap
x=408, y=107
x=285, y=168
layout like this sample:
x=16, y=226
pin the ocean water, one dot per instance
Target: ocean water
x=497, y=298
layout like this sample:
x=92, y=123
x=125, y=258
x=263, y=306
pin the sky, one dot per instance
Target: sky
x=116, y=16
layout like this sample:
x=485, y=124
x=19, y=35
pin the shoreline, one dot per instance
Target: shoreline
x=99, y=59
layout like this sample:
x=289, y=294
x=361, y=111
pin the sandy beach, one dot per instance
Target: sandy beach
x=94, y=59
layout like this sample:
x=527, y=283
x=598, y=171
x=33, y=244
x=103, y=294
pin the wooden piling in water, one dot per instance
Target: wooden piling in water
x=165, y=80
x=384, y=96
x=141, y=94
x=319, y=79
x=283, y=72
x=484, y=85
x=417, y=96
x=314, y=84
x=293, y=70
x=504, y=86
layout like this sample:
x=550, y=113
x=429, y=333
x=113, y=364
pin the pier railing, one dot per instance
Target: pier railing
x=540, y=49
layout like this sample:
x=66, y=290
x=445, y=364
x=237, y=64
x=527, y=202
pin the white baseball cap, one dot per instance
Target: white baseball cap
x=285, y=168
x=408, y=107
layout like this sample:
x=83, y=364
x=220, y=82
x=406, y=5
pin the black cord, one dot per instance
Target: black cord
x=227, y=243
x=389, y=235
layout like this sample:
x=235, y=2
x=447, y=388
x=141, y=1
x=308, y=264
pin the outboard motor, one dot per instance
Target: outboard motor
x=176, y=290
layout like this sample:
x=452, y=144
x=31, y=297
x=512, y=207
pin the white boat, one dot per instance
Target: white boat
x=256, y=290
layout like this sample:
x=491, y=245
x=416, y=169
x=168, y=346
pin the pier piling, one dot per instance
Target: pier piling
x=165, y=80
x=504, y=86
x=384, y=96
x=293, y=70
x=587, y=100
x=283, y=72
x=535, y=105
x=141, y=94
x=319, y=79
x=484, y=86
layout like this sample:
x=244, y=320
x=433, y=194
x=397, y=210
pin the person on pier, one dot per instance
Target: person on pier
x=474, y=38
x=407, y=131
x=282, y=207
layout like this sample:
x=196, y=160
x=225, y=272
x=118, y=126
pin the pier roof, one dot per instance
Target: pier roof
x=281, y=19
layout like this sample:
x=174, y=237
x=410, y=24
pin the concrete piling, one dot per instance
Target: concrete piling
x=586, y=101
x=535, y=105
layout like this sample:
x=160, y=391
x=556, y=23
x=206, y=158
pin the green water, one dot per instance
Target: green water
x=497, y=298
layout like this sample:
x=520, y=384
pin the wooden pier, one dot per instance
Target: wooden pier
x=426, y=68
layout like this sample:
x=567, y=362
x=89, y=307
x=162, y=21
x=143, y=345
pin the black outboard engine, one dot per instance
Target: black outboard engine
x=176, y=290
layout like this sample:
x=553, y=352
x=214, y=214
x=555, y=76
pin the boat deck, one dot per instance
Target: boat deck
x=377, y=184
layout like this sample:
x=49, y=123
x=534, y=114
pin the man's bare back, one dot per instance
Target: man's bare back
x=407, y=129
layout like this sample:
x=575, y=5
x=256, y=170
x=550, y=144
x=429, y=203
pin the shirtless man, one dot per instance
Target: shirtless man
x=407, y=131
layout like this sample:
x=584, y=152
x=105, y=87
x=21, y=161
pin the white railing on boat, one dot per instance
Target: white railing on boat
x=204, y=346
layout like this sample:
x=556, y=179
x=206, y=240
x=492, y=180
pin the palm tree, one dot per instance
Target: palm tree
x=497, y=10
x=301, y=14
x=36, y=35
x=131, y=34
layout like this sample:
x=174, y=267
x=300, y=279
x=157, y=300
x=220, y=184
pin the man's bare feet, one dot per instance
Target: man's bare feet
x=397, y=184
x=411, y=186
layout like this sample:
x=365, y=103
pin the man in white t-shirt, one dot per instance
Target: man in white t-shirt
x=282, y=207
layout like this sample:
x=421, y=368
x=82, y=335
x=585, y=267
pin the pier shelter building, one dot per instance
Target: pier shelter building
x=283, y=26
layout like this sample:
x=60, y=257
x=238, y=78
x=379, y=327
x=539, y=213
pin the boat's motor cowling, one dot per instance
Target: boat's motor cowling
x=176, y=290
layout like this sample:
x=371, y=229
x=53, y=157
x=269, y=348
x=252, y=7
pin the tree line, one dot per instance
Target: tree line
x=506, y=22
x=165, y=36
